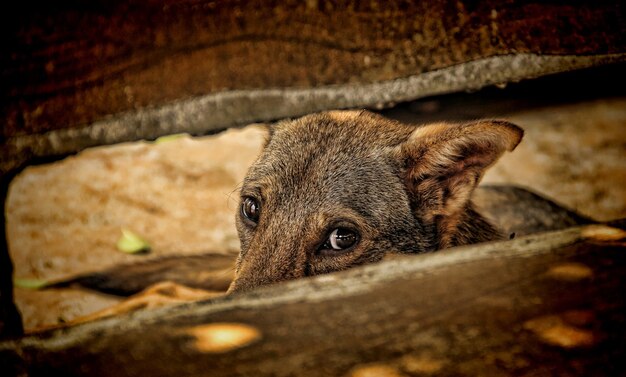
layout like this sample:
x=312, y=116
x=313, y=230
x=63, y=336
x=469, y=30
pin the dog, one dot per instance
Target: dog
x=340, y=189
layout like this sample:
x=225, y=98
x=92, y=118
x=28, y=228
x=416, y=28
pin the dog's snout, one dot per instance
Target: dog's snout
x=277, y=259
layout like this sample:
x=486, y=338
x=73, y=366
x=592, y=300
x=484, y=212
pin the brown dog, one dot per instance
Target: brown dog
x=339, y=189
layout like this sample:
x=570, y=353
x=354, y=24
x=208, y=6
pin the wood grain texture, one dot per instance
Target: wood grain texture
x=548, y=304
x=72, y=63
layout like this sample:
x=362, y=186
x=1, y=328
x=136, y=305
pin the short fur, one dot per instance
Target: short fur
x=403, y=189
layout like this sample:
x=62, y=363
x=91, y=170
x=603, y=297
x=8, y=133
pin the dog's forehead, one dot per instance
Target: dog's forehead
x=321, y=150
x=335, y=139
x=355, y=131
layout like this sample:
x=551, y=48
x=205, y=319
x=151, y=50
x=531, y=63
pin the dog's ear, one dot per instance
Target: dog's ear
x=443, y=163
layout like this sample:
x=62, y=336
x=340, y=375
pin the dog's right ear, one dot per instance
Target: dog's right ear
x=443, y=163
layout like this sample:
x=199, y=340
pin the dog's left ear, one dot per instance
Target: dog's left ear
x=443, y=163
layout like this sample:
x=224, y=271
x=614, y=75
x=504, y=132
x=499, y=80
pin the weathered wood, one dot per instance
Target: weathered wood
x=549, y=304
x=104, y=72
x=210, y=271
x=72, y=63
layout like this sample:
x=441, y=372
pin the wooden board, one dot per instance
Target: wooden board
x=549, y=304
x=131, y=69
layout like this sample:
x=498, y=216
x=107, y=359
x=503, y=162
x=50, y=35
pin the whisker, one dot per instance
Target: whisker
x=230, y=194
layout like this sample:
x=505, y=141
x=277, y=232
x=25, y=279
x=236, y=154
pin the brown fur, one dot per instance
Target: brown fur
x=403, y=189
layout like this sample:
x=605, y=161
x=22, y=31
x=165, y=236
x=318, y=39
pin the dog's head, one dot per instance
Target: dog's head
x=344, y=188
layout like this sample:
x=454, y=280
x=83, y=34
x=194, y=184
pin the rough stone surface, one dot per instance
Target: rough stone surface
x=64, y=218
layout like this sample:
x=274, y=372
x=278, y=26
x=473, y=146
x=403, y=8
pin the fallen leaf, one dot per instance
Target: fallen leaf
x=132, y=243
x=30, y=283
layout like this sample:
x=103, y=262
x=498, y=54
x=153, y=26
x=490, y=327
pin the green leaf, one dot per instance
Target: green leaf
x=132, y=243
x=30, y=283
x=168, y=138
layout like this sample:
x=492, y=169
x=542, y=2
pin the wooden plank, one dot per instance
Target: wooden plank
x=71, y=64
x=548, y=304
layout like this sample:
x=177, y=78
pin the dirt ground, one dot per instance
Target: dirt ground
x=574, y=154
x=66, y=217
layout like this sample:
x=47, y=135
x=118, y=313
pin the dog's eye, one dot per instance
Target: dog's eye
x=251, y=209
x=340, y=239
